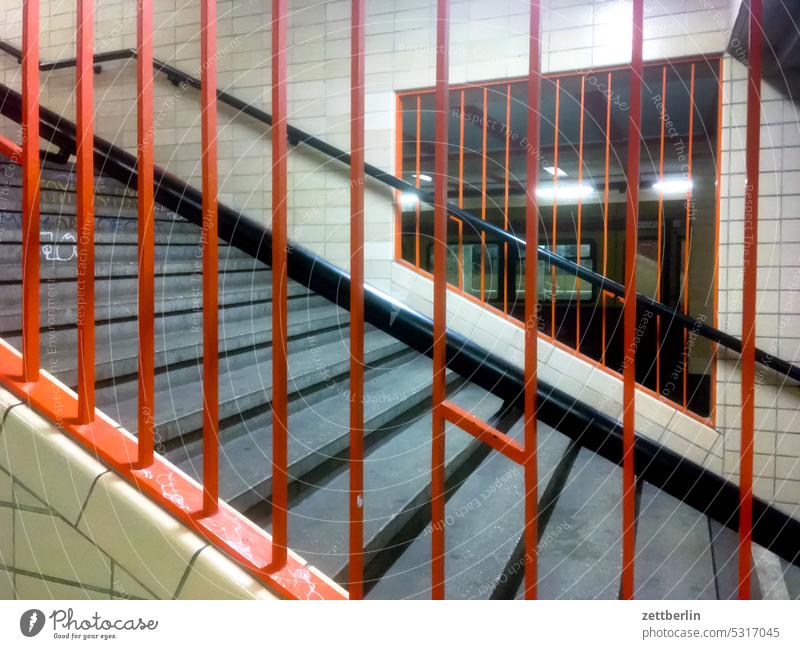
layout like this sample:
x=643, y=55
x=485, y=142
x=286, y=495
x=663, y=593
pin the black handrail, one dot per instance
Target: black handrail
x=296, y=136
x=702, y=489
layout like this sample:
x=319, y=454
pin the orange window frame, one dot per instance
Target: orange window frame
x=709, y=420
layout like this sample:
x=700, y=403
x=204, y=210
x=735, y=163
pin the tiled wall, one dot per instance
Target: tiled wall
x=777, y=443
x=72, y=529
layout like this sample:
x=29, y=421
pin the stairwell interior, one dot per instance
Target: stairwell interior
x=685, y=548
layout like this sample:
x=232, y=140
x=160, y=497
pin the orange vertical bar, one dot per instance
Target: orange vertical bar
x=145, y=226
x=555, y=211
x=660, y=225
x=280, y=432
x=717, y=198
x=208, y=95
x=753, y=148
x=579, y=210
x=460, y=255
x=439, y=301
x=483, y=196
x=605, y=218
x=461, y=154
x=398, y=208
x=531, y=308
x=356, y=560
x=417, y=180
x=629, y=308
x=461, y=195
x=688, y=226
x=84, y=163
x=30, y=190
x=505, y=197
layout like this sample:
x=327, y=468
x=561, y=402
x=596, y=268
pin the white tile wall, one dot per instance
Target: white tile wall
x=777, y=441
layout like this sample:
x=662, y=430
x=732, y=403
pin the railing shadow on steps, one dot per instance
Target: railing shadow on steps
x=699, y=487
x=296, y=136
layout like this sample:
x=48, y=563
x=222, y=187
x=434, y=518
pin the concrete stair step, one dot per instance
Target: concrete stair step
x=122, y=269
x=117, y=299
x=59, y=255
x=484, y=518
x=581, y=558
x=61, y=179
x=396, y=488
x=673, y=549
x=109, y=230
x=318, y=432
x=241, y=389
x=120, y=288
x=116, y=345
x=725, y=552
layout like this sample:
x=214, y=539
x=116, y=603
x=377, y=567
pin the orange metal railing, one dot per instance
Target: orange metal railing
x=208, y=108
x=749, y=292
x=595, y=330
x=146, y=236
x=629, y=309
x=445, y=411
x=356, y=560
x=201, y=508
x=197, y=507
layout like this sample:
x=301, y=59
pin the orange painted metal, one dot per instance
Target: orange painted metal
x=11, y=150
x=461, y=154
x=489, y=83
x=660, y=223
x=579, y=214
x=84, y=189
x=461, y=194
x=208, y=99
x=629, y=308
x=530, y=461
x=28, y=155
x=227, y=529
x=688, y=242
x=357, y=179
x=605, y=218
x=439, y=299
x=145, y=225
x=752, y=166
x=398, y=165
x=482, y=431
x=505, y=197
x=280, y=431
x=483, y=194
x=555, y=213
x=417, y=181
x=718, y=197
x=604, y=297
x=444, y=410
x=460, y=225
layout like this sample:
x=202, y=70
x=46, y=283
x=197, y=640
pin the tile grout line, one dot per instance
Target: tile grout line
x=60, y=580
x=188, y=571
x=56, y=514
x=88, y=496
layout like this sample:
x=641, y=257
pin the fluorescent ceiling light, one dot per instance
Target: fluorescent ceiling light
x=408, y=200
x=565, y=192
x=552, y=171
x=424, y=177
x=674, y=186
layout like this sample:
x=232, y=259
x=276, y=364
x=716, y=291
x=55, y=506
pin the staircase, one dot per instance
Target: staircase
x=681, y=553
